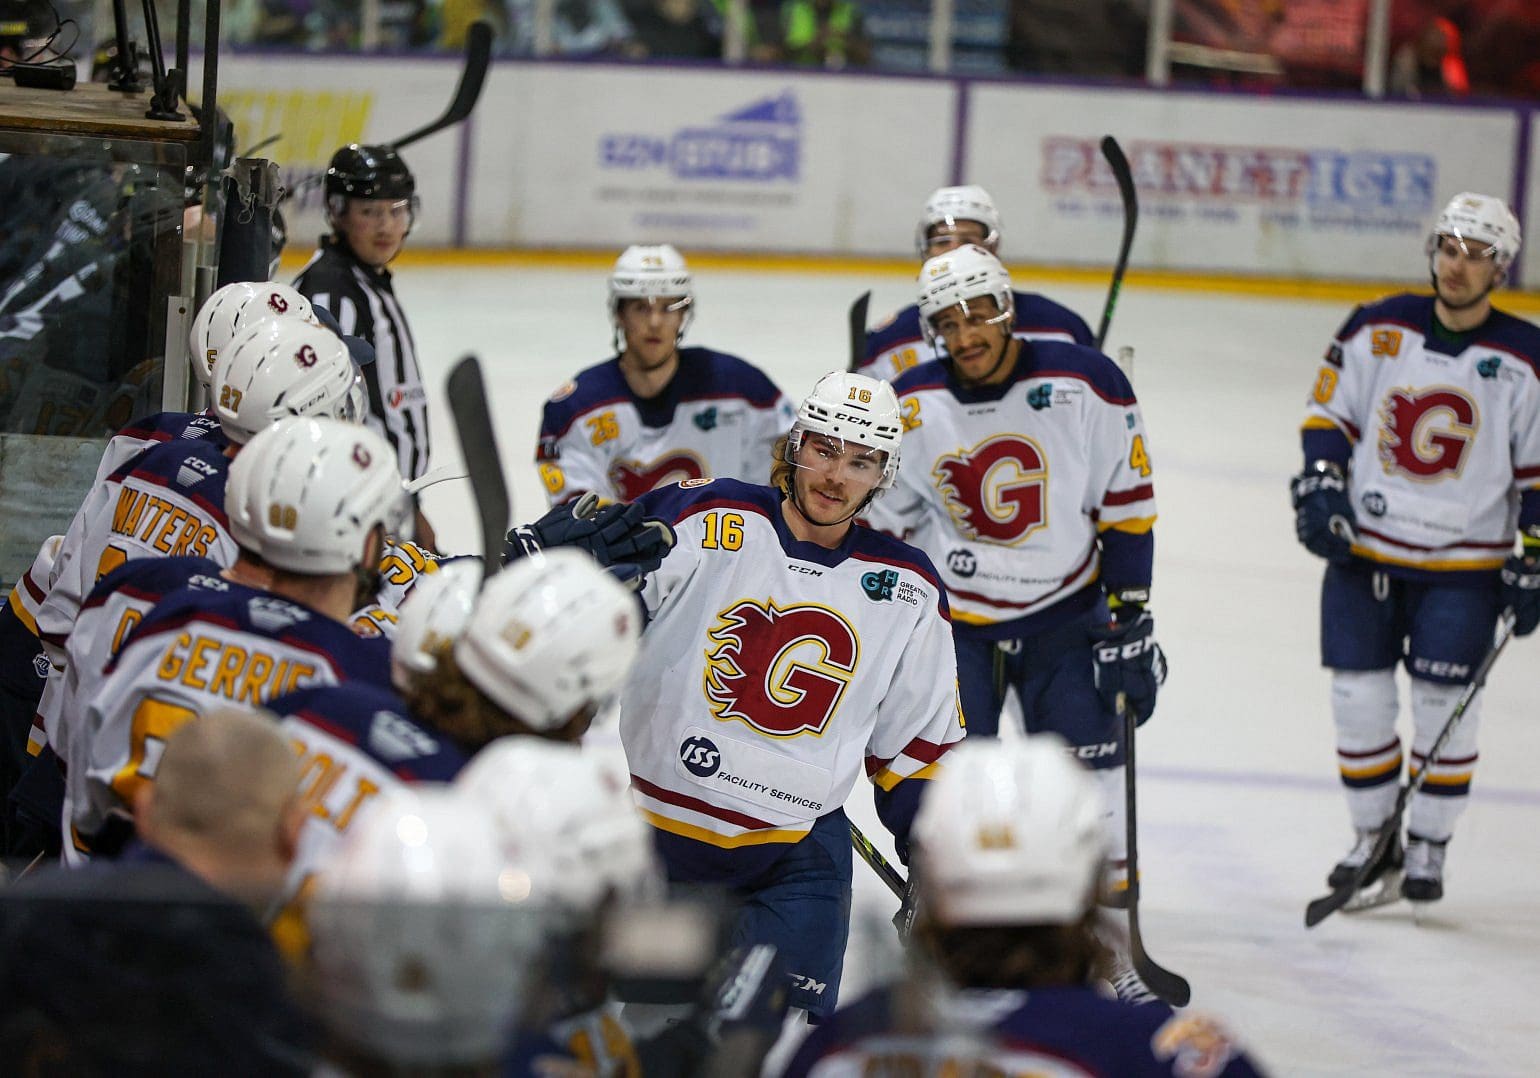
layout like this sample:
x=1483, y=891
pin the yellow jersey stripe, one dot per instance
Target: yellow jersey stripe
x=726, y=842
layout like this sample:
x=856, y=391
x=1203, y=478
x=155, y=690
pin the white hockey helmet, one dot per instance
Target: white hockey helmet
x=1478, y=223
x=954, y=277
x=564, y=818
x=948, y=205
x=283, y=367
x=652, y=272
x=305, y=493
x=1009, y=833
x=852, y=408
x=550, y=635
x=422, y=942
x=434, y=613
x=237, y=307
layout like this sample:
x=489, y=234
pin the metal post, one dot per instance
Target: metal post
x=545, y=33
x=941, y=36
x=369, y=26
x=1377, y=48
x=1157, y=59
x=735, y=36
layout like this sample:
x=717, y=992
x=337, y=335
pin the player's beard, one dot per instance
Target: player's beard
x=994, y=368
x=1468, y=304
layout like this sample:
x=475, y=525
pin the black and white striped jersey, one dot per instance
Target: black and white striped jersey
x=365, y=306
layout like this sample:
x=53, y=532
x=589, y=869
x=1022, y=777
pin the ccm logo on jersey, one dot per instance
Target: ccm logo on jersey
x=779, y=670
x=996, y=492
x=1425, y=435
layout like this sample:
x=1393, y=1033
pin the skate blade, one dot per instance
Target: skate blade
x=1386, y=891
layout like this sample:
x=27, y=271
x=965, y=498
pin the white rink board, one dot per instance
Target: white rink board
x=1293, y=188
x=605, y=156
x=319, y=104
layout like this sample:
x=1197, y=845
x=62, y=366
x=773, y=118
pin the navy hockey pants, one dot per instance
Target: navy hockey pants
x=1053, y=674
x=1371, y=621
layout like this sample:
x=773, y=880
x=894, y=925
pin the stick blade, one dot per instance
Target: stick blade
x=1327, y=905
x=858, y=311
x=478, y=444
x=478, y=58
x=1171, y=987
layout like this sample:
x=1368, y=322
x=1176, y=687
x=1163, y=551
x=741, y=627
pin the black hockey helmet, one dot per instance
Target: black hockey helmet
x=368, y=172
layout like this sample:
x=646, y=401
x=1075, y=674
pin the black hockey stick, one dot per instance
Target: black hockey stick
x=902, y=889
x=478, y=444
x=858, y=330
x=1327, y=905
x=1125, y=178
x=1171, y=987
x=478, y=55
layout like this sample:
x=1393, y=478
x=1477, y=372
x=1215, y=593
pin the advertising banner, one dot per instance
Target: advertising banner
x=1239, y=184
x=312, y=106
x=594, y=156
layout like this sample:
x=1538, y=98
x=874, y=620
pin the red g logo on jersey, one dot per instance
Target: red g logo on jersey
x=1425, y=434
x=996, y=492
x=781, y=670
x=632, y=478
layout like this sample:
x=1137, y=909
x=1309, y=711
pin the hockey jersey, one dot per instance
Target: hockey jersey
x=355, y=742
x=202, y=647
x=1058, y=1032
x=1025, y=493
x=899, y=343
x=772, y=672
x=719, y=416
x=1440, y=434
x=168, y=501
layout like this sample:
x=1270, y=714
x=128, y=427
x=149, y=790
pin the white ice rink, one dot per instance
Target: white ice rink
x=1240, y=806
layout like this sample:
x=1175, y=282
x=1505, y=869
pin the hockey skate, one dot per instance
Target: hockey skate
x=1382, y=885
x=1424, y=878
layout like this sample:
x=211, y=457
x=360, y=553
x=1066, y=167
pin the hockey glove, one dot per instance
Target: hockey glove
x=1128, y=663
x=1323, y=514
x=1521, y=585
x=613, y=533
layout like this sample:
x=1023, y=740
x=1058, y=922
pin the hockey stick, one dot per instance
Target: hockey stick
x=1125, y=179
x=478, y=55
x=902, y=889
x=1327, y=905
x=478, y=444
x=1169, y=986
x=858, y=330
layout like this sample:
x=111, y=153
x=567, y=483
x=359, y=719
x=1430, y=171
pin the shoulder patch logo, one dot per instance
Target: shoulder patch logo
x=394, y=738
x=273, y=615
x=193, y=471
x=563, y=391
x=1040, y=397
x=1385, y=342
x=1489, y=367
x=878, y=585
x=706, y=420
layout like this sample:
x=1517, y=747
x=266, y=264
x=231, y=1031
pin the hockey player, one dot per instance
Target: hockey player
x=309, y=503
x=1422, y=458
x=371, y=204
x=789, y=647
x=1029, y=484
x=1008, y=851
x=954, y=217
x=656, y=413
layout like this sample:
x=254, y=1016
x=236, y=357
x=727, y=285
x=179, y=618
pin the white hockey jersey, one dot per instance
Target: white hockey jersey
x=1026, y=493
x=1444, y=434
x=199, y=648
x=772, y=672
x=719, y=417
x=168, y=501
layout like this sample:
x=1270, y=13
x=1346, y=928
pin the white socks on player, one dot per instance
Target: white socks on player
x=1435, y=809
x=1364, y=707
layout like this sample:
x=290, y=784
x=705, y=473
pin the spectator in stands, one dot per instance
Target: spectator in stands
x=159, y=962
x=1431, y=64
x=1503, y=49
x=824, y=33
x=1105, y=38
x=673, y=29
x=579, y=27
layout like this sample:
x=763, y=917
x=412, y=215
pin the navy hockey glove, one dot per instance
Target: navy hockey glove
x=1521, y=586
x=1129, y=664
x=1323, y=515
x=612, y=533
